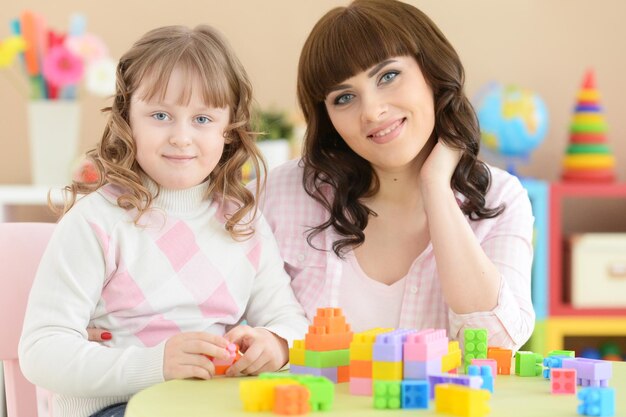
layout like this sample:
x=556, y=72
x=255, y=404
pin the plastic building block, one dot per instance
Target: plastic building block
x=502, y=357
x=321, y=389
x=488, y=362
x=221, y=365
x=590, y=372
x=421, y=369
x=552, y=362
x=259, y=394
x=329, y=331
x=425, y=345
x=330, y=318
x=415, y=394
x=563, y=381
x=330, y=373
x=528, y=363
x=388, y=371
x=451, y=360
x=471, y=381
x=296, y=353
x=387, y=394
x=461, y=401
x=360, y=386
x=361, y=369
x=485, y=372
x=389, y=346
x=596, y=402
x=474, y=345
x=362, y=345
x=291, y=400
x=343, y=374
x=566, y=353
x=326, y=359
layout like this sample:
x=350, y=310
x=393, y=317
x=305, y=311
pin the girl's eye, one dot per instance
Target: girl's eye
x=388, y=76
x=202, y=120
x=160, y=116
x=343, y=99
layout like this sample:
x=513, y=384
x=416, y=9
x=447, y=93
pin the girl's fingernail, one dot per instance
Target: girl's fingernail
x=106, y=336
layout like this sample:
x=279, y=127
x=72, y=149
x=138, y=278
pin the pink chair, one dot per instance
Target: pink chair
x=21, y=247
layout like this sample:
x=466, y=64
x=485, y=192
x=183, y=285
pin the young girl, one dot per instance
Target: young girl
x=166, y=251
x=390, y=215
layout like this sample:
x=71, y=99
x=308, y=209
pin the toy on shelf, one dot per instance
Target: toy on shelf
x=588, y=158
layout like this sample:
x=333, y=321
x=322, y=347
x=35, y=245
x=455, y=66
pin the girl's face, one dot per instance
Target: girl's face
x=178, y=146
x=385, y=114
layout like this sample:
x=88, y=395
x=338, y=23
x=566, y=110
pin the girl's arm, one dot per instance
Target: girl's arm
x=54, y=351
x=485, y=284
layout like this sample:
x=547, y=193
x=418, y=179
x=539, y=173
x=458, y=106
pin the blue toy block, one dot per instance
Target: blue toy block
x=415, y=394
x=485, y=372
x=597, y=402
x=552, y=362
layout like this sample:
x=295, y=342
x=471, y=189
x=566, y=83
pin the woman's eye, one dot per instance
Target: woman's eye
x=202, y=120
x=160, y=116
x=388, y=76
x=343, y=99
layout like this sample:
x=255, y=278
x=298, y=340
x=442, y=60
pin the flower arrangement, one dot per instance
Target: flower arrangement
x=272, y=124
x=56, y=62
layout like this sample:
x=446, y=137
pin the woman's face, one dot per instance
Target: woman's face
x=385, y=114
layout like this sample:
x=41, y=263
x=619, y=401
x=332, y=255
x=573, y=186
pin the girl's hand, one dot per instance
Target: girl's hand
x=98, y=335
x=439, y=166
x=186, y=355
x=263, y=351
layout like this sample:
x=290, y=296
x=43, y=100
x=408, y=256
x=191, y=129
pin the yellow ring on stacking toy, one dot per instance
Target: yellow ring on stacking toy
x=588, y=95
x=588, y=161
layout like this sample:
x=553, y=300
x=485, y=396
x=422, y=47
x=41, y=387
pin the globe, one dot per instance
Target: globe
x=513, y=120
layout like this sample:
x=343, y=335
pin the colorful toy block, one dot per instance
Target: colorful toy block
x=362, y=345
x=321, y=389
x=421, y=369
x=330, y=373
x=528, y=363
x=361, y=369
x=465, y=380
x=485, y=372
x=387, y=394
x=590, y=372
x=343, y=374
x=291, y=400
x=503, y=359
x=332, y=319
x=461, y=401
x=597, y=402
x=326, y=359
x=565, y=353
x=222, y=365
x=563, y=381
x=296, y=353
x=387, y=371
x=360, y=386
x=552, y=362
x=415, y=394
x=259, y=394
x=319, y=339
x=487, y=362
x=474, y=345
x=451, y=360
x=389, y=346
x=425, y=345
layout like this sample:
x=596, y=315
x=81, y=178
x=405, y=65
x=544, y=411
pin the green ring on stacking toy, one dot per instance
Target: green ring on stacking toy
x=578, y=148
x=588, y=127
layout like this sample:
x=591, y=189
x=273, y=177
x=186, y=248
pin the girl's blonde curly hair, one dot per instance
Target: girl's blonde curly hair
x=204, y=55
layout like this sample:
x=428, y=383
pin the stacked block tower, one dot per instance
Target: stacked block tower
x=588, y=158
x=325, y=350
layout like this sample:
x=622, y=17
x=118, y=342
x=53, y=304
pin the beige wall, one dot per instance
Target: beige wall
x=545, y=45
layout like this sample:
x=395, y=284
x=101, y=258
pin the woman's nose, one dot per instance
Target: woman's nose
x=374, y=107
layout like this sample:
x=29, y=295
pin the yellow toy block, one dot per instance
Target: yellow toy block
x=461, y=401
x=296, y=353
x=362, y=345
x=452, y=359
x=259, y=394
x=387, y=371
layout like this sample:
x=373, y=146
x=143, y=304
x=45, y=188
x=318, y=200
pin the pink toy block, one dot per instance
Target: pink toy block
x=361, y=386
x=489, y=362
x=590, y=372
x=563, y=381
x=388, y=346
x=425, y=345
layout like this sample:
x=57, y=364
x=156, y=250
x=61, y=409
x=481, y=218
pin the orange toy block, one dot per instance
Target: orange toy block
x=361, y=369
x=343, y=374
x=291, y=400
x=221, y=366
x=332, y=319
x=318, y=339
x=502, y=357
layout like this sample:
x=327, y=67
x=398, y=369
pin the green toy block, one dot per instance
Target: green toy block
x=387, y=394
x=321, y=389
x=528, y=363
x=568, y=353
x=326, y=359
x=474, y=346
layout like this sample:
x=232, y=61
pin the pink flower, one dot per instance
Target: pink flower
x=61, y=67
x=88, y=46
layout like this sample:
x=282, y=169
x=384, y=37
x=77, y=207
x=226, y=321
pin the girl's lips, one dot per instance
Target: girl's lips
x=388, y=133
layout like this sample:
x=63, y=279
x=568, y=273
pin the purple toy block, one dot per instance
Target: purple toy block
x=388, y=346
x=471, y=381
x=590, y=372
x=421, y=369
x=330, y=373
x=425, y=345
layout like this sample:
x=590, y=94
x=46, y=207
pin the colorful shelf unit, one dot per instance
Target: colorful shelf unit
x=558, y=306
x=558, y=328
x=538, y=193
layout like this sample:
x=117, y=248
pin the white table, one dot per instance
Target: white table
x=21, y=195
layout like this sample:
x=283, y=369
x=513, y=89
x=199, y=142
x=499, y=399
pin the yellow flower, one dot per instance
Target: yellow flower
x=9, y=48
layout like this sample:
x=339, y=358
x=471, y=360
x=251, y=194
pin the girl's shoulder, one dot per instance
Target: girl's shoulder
x=98, y=207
